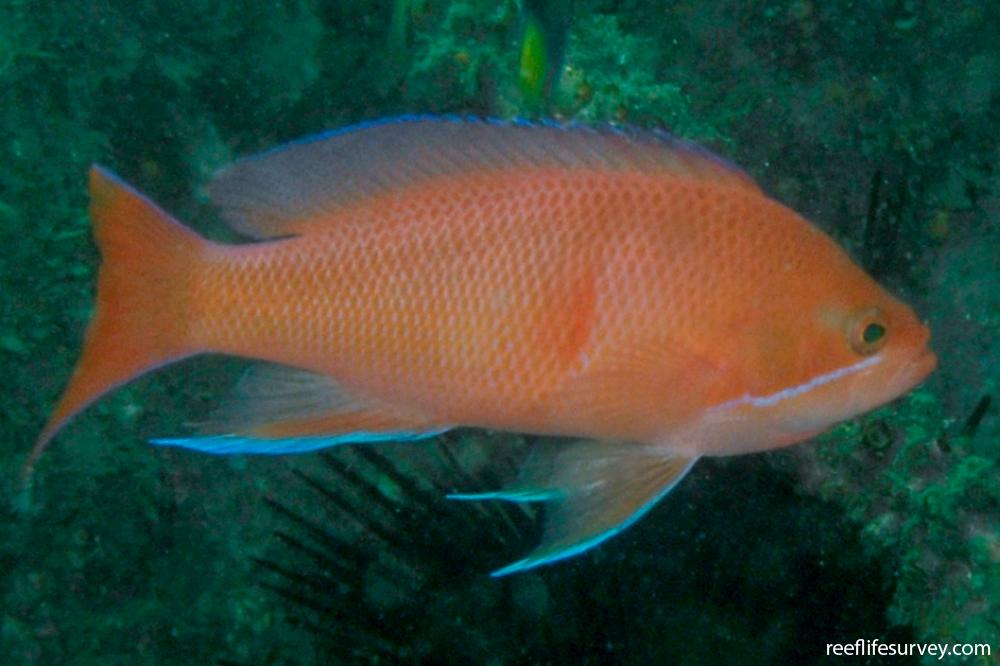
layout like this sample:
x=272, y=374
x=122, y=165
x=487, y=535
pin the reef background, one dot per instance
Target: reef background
x=876, y=120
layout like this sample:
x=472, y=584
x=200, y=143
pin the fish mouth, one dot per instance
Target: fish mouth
x=924, y=364
x=916, y=370
x=924, y=360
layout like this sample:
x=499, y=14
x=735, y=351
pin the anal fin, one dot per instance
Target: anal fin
x=276, y=409
x=595, y=490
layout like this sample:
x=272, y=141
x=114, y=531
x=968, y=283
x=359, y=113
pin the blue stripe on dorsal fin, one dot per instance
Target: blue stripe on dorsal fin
x=283, y=191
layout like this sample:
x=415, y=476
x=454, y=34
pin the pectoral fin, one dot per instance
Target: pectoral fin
x=594, y=489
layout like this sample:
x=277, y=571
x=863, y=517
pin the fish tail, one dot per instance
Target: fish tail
x=139, y=319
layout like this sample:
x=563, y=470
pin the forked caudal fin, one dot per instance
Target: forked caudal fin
x=594, y=489
x=138, y=324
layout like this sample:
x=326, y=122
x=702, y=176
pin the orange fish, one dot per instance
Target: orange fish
x=421, y=274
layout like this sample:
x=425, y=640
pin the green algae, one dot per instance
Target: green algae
x=612, y=76
x=927, y=504
x=461, y=59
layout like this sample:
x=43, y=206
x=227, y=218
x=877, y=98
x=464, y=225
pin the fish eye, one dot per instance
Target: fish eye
x=873, y=333
x=868, y=331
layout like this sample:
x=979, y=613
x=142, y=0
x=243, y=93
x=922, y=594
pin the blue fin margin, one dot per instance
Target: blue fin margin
x=595, y=490
x=572, y=551
x=233, y=444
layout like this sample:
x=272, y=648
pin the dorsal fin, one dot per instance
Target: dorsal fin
x=277, y=192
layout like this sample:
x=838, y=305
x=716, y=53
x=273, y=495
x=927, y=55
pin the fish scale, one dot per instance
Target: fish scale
x=411, y=276
x=460, y=286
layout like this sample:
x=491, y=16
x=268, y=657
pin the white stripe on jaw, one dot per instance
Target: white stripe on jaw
x=784, y=394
